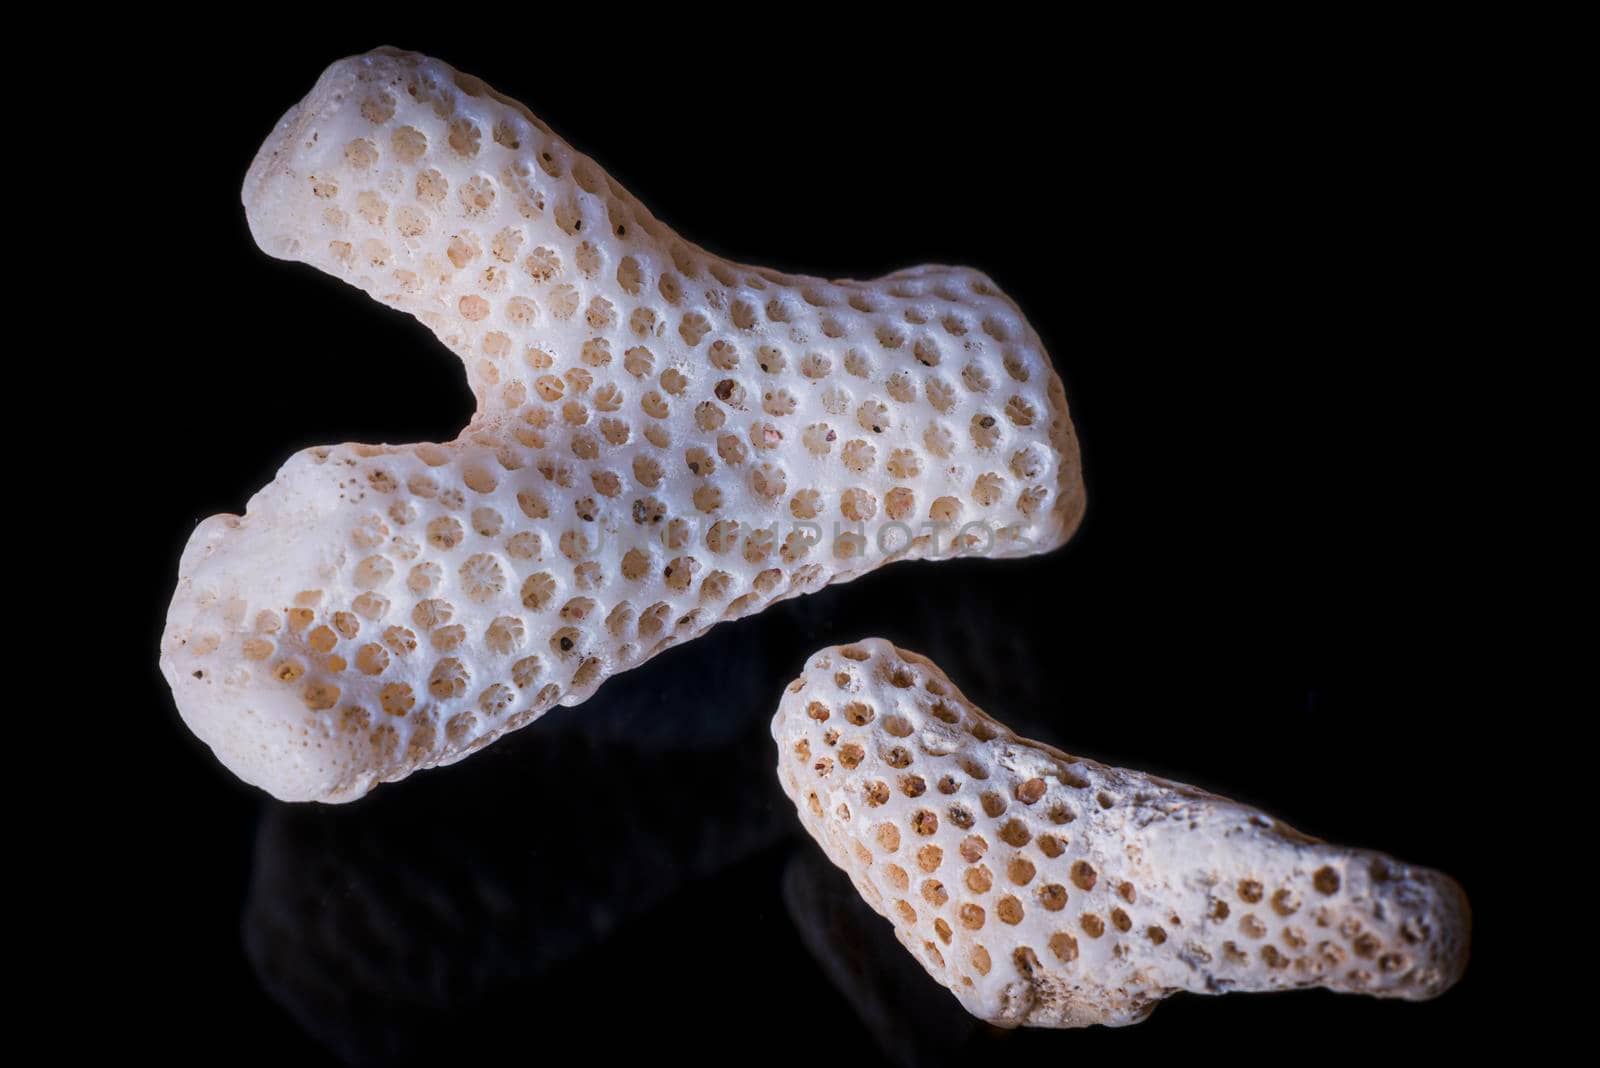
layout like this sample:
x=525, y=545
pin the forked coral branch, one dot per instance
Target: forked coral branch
x=663, y=439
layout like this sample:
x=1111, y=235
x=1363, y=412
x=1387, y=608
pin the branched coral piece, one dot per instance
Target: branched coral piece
x=663, y=439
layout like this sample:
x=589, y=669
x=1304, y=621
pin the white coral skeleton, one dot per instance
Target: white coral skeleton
x=663, y=439
x=1047, y=890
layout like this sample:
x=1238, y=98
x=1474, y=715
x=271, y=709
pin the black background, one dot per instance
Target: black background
x=1257, y=279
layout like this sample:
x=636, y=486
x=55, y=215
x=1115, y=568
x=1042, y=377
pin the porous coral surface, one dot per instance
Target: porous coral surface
x=1051, y=891
x=663, y=439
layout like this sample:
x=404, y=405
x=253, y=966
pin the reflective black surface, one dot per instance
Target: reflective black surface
x=1278, y=592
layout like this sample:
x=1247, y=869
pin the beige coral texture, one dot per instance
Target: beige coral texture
x=663, y=439
x=1047, y=890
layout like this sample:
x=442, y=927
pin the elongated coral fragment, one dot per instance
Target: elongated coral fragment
x=1050, y=891
x=663, y=439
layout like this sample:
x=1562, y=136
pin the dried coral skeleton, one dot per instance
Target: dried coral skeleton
x=663, y=439
x=1051, y=891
